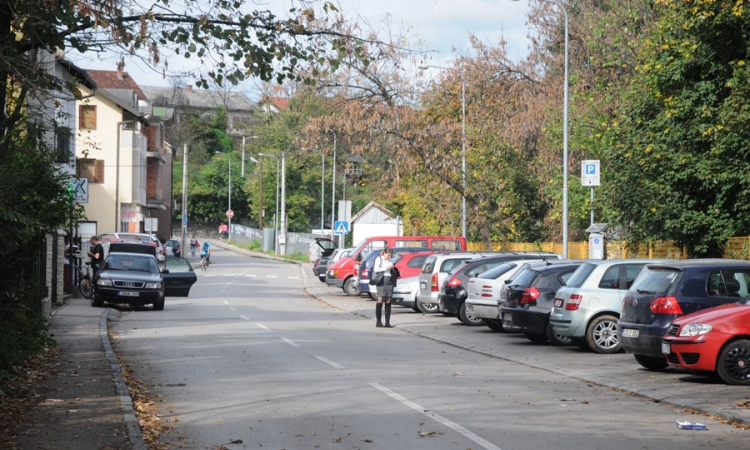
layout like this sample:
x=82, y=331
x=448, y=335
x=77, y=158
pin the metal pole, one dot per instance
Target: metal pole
x=276, y=219
x=243, y=157
x=333, y=185
x=229, y=237
x=282, y=236
x=463, y=158
x=322, y=191
x=184, y=197
x=260, y=222
x=592, y=205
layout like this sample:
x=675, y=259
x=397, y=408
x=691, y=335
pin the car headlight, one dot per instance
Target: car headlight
x=103, y=282
x=695, y=329
x=153, y=285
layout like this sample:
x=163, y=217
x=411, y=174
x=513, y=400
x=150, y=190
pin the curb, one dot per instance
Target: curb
x=126, y=402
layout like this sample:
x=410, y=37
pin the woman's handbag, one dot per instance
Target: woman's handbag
x=376, y=279
x=395, y=273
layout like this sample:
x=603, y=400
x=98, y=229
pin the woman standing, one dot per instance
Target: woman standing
x=384, y=265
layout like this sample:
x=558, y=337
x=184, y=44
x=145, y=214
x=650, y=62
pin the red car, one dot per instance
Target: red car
x=714, y=340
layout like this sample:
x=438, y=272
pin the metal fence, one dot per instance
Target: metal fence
x=295, y=242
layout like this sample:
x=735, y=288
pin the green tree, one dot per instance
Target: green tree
x=680, y=155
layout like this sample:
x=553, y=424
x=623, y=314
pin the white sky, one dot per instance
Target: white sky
x=441, y=25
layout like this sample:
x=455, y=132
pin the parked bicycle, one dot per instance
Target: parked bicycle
x=83, y=278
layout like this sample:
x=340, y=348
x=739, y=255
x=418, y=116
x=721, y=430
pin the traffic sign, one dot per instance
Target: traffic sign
x=590, y=173
x=341, y=227
x=230, y=213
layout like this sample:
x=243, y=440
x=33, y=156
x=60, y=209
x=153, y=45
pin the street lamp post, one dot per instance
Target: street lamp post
x=463, y=149
x=333, y=185
x=565, y=132
x=229, y=226
x=243, y=152
x=322, y=187
x=276, y=219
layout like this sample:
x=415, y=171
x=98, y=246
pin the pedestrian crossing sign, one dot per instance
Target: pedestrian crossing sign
x=341, y=227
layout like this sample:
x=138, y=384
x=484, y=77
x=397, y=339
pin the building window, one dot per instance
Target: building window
x=62, y=146
x=87, y=117
x=91, y=169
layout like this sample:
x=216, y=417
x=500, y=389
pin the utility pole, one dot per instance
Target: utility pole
x=282, y=235
x=260, y=222
x=184, y=198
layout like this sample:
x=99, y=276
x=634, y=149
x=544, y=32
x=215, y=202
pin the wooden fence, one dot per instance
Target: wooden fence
x=737, y=248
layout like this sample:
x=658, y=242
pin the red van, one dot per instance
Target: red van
x=341, y=274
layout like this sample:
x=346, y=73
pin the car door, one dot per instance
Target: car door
x=180, y=277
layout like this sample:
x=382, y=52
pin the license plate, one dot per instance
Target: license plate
x=558, y=302
x=508, y=318
x=666, y=348
x=630, y=333
x=128, y=293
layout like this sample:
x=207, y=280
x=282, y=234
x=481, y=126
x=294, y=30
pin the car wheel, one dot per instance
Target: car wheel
x=468, y=318
x=351, y=287
x=601, y=335
x=557, y=339
x=159, y=304
x=495, y=325
x=652, y=362
x=537, y=338
x=96, y=302
x=733, y=364
x=415, y=308
x=427, y=308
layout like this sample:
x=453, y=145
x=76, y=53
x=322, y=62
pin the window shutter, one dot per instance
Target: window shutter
x=87, y=117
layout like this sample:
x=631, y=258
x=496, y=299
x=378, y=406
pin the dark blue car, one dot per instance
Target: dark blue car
x=365, y=266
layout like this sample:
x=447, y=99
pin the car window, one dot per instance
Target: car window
x=631, y=272
x=656, y=280
x=177, y=265
x=446, y=245
x=495, y=272
x=450, y=265
x=728, y=283
x=580, y=275
x=130, y=263
x=411, y=243
x=396, y=258
x=525, y=278
x=429, y=264
x=552, y=280
x=611, y=278
x=416, y=262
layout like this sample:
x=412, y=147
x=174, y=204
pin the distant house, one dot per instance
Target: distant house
x=274, y=104
x=188, y=101
x=374, y=220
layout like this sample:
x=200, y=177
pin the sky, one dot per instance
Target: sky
x=437, y=26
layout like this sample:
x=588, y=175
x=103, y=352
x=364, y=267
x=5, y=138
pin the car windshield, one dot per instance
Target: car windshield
x=132, y=263
x=655, y=280
x=580, y=275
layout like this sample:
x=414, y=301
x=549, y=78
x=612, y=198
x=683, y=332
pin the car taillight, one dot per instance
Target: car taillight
x=665, y=305
x=454, y=282
x=434, y=283
x=529, y=295
x=487, y=290
x=365, y=273
x=574, y=302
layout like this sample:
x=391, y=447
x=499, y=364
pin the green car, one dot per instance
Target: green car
x=587, y=308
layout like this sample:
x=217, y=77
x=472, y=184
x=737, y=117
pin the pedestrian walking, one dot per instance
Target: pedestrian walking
x=193, y=246
x=382, y=270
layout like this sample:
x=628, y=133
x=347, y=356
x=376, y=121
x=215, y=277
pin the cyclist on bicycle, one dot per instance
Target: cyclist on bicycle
x=206, y=251
x=96, y=252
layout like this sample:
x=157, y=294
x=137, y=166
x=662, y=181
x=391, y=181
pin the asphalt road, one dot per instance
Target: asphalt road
x=251, y=360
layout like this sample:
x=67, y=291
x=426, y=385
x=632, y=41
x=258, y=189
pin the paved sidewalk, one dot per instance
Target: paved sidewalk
x=86, y=403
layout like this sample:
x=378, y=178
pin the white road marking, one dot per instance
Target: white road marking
x=448, y=423
x=292, y=278
x=261, y=326
x=329, y=362
x=226, y=302
x=244, y=317
x=272, y=276
x=290, y=342
x=233, y=309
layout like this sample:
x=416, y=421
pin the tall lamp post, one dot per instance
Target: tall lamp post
x=463, y=148
x=243, y=152
x=322, y=187
x=276, y=219
x=229, y=206
x=565, y=132
x=333, y=185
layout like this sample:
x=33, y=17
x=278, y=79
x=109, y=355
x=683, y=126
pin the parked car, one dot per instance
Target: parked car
x=434, y=272
x=588, y=307
x=342, y=274
x=452, y=295
x=715, y=340
x=666, y=291
x=405, y=292
x=145, y=237
x=174, y=247
x=530, y=298
x=320, y=247
x=483, y=293
x=321, y=265
x=409, y=264
x=130, y=274
x=364, y=268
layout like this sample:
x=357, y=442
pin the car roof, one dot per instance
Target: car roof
x=703, y=262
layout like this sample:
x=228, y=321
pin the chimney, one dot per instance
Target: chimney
x=119, y=73
x=189, y=88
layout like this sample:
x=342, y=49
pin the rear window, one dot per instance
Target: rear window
x=416, y=262
x=656, y=280
x=411, y=243
x=631, y=273
x=449, y=265
x=446, y=245
x=580, y=275
x=429, y=264
x=525, y=278
x=496, y=272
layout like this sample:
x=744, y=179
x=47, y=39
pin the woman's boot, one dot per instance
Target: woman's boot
x=379, y=314
x=388, y=316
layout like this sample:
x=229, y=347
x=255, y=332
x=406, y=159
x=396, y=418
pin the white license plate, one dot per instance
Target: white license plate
x=630, y=333
x=666, y=348
x=128, y=293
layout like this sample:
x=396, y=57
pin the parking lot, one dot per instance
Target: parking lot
x=618, y=371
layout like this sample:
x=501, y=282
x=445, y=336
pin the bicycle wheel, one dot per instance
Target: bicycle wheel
x=203, y=263
x=84, y=286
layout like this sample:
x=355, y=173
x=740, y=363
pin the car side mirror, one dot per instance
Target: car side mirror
x=165, y=271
